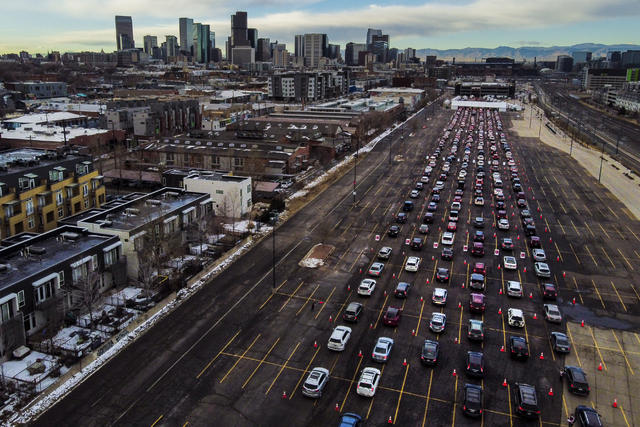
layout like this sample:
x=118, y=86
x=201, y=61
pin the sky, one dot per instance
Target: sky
x=39, y=26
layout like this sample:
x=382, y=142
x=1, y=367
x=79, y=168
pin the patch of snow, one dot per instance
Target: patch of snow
x=299, y=193
x=312, y=262
x=17, y=369
x=241, y=226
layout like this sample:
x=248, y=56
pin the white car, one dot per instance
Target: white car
x=479, y=201
x=447, y=238
x=455, y=206
x=503, y=224
x=438, y=322
x=510, y=263
x=514, y=289
x=413, y=262
x=384, y=252
x=367, y=286
x=552, y=313
x=439, y=296
x=539, y=255
x=424, y=179
x=542, y=269
x=515, y=317
x=498, y=191
x=339, y=338
x=368, y=382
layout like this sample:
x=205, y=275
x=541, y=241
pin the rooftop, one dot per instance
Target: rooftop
x=49, y=133
x=397, y=90
x=42, y=118
x=217, y=177
x=30, y=160
x=57, y=250
x=144, y=210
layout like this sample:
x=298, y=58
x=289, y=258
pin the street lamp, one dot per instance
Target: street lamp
x=274, y=221
x=601, y=161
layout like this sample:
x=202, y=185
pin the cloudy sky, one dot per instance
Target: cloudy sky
x=72, y=25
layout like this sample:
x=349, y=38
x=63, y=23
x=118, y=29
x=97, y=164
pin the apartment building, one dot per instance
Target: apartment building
x=307, y=86
x=41, y=278
x=40, y=187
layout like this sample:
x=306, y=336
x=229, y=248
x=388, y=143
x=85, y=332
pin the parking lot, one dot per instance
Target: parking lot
x=248, y=364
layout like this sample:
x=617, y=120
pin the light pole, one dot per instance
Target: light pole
x=601, y=161
x=274, y=222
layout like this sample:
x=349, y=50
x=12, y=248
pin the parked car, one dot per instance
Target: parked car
x=542, y=269
x=475, y=364
x=510, y=263
x=477, y=281
x=438, y=322
x=447, y=254
x=368, y=382
x=315, y=382
x=382, y=349
x=472, y=400
x=412, y=264
x=367, y=286
x=430, y=350
x=476, y=303
x=515, y=317
x=439, y=296
x=587, y=417
x=349, y=419
x=475, y=330
x=392, y=316
x=549, y=291
x=447, y=238
x=402, y=290
x=339, y=338
x=514, y=289
x=353, y=312
x=376, y=269
x=518, y=347
x=539, y=255
x=384, y=252
x=442, y=274
x=552, y=313
x=577, y=380
x=560, y=342
x=526, y=400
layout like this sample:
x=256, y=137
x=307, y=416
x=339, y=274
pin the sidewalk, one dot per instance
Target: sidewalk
x=626, y=190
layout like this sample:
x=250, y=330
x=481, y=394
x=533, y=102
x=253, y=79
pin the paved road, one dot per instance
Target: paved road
x=226, y=356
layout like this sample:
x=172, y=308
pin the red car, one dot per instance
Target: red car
x=392, y=316
x=534, y=242
x=478, y=249
x=476, y=303
x=452, y=226
x=479, y=268
x=549, y=291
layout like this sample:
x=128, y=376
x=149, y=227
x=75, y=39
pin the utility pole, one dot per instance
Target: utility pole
x=274, y=222
x=355, y=168
x=601, y=161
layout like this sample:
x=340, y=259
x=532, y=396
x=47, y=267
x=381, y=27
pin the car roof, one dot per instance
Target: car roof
x=477, y=297
x=353, y=305
x=436, y=314
x=385, y=340
x=475, y=322
x=439, y=291
x=403, y=285
x=513, y=283
x=342, y=328
x=515, y=311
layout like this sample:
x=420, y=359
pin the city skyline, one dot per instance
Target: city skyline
x=475, y=23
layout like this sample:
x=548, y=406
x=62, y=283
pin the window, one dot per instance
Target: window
x=219, y=192
x=85, y=190
x=94, y=262
x=20, y=299
x=86, y=203
x=6, y=311
x=238, y=161
x=29, y=205
x=111, y=257
x=60, y=212
x=29, y=321
x=59, y=198
x=248, y=188
x=44, y=292
x=31, y=222
x=60, y=279
x=80, y=272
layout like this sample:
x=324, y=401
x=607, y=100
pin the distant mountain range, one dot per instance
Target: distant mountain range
x=527, y=53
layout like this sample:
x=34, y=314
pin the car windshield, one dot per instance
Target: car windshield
x=516, y=317
x=381, y=349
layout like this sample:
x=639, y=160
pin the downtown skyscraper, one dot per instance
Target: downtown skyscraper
x=124, y=33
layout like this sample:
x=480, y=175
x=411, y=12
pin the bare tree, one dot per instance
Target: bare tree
x=85, y=294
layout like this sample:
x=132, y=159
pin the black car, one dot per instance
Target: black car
x=478, y=222
x=393, y=231
x=430, y=350
x=402, y=290
x=432, y=206
x=416, y=243
x=447, y=254
x=500, y=205
x=401, y=218
x=577, y=380
x=549, y=291
x=478, y=236
x=428, y=218
x=475, y=364
x=472, y=403
x=522, y=203
x=353, y=312
x=435, y=198
x=529, y=230
x=587, y=417
x=526, y=400
x=518, y=347
x=408, y=206
x=442, y=275
x=507, y=244
x=560, y=342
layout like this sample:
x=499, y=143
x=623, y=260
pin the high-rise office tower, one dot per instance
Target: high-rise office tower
x=352, y=52
x=313, y=49
x=186, y=34
x=124, y=33
x=201, y=41
x=299, y=46
x=172, y=46
x=239, y=36
x=370, y=33
x=149, y=43
x=333, y=52
x=380, y=47
x=263, y=51
x=252, y=36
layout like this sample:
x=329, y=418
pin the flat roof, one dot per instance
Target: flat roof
x=217, y=177
x=20, y=267
x=49, y=133
x=397, y=90
x=145, y=209
x=46, y=117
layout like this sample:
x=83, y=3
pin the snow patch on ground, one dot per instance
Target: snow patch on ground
x=242, y=226
x=312, y=262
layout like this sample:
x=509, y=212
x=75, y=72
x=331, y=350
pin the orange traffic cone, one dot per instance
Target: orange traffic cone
x=573, y=301
x=413, y=332
x=330, y=319
x=315, y=344
x=530, y=295
x=454, y=373
x=564, y=274
x=502, y=349
x=337, y=408
x=525, y=269
x=404, y=362
x=348, y=287
x=284, y=394
x=370, y=325
x=359, y=353
x=459, y=304
x=500, y=310
x=541, y=356
x=504, y=383
x=500, y=291
x=421, y=299
x=389, y=421
x=535, y=316
x=600, y=367
x=615, y=403
x=582, y=323
x=550, y=391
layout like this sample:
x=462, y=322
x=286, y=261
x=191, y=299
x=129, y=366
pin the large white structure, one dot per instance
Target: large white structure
x=461, y=103
x=231, y=194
